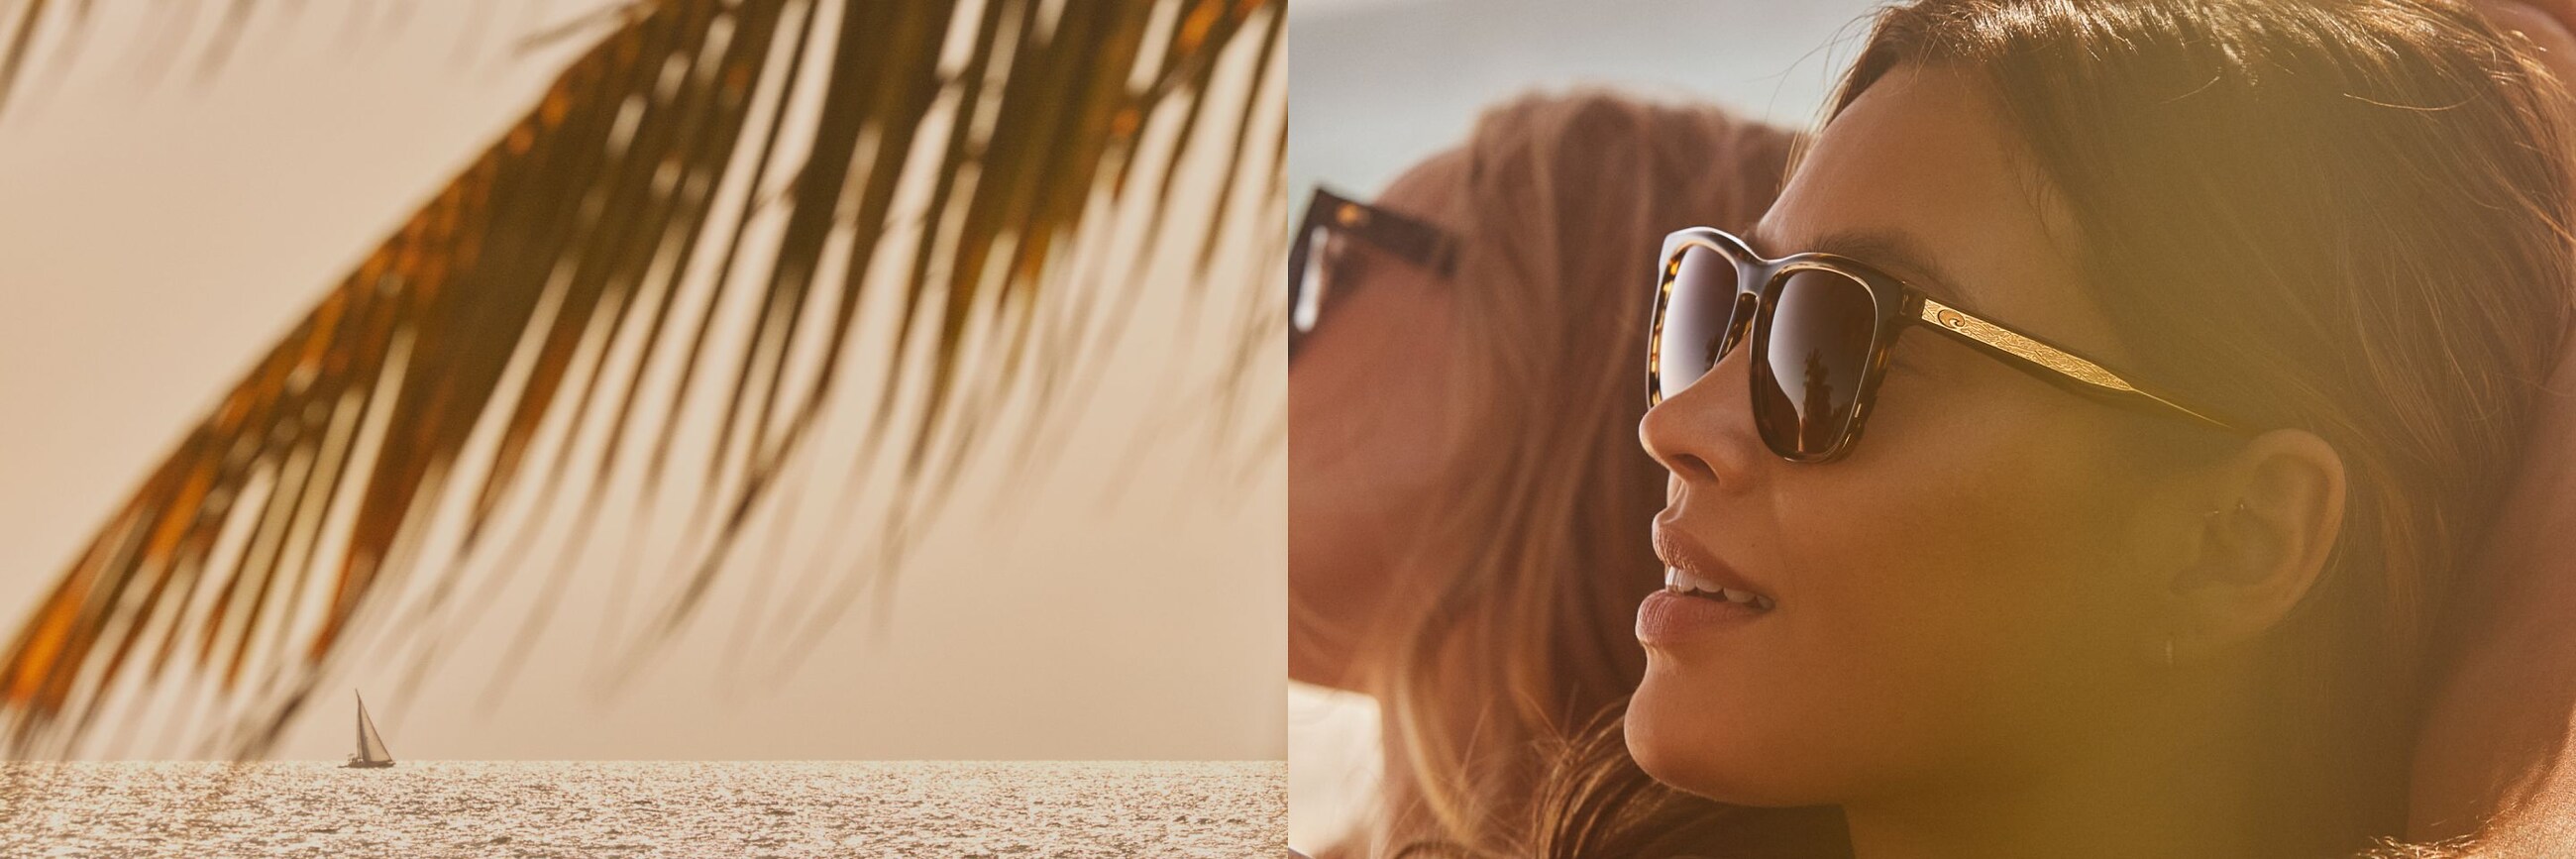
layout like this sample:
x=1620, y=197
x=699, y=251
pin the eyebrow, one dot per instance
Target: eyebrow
x=1895, y=253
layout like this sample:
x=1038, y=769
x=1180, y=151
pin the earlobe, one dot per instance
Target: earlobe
x=2274, y=514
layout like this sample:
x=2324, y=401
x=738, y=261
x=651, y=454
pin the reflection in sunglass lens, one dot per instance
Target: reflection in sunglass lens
x=1306, y=296
x=1816, y=348
x=1699, y=320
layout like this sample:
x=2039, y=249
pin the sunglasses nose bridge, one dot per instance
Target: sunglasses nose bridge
x=1740, y=320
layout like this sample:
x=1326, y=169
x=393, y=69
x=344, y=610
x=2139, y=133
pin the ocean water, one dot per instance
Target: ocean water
x=428, y=809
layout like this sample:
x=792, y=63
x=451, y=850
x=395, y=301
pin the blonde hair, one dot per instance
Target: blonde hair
x=1559, y=209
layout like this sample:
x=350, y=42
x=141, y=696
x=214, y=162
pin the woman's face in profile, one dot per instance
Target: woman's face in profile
x=1369, y=406
x=1952, y=597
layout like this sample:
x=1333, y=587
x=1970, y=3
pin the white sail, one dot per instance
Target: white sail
x=371, y=748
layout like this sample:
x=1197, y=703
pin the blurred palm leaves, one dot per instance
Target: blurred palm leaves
x=781, y=155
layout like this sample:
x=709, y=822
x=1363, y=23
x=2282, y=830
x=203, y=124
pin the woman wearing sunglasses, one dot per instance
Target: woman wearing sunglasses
x=2087, y=453
x=1466, y=492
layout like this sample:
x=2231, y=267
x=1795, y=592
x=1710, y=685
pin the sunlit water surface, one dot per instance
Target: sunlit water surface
x=639, y=809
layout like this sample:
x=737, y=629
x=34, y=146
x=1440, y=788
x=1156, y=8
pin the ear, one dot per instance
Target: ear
x=2273, y=512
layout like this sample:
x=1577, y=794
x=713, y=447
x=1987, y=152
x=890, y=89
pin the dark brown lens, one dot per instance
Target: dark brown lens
x=1698, y=321
x=1816, y=347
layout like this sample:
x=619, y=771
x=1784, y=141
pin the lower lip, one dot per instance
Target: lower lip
x=1668, y=616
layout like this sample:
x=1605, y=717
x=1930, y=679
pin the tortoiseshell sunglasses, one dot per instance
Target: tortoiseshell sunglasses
x=1320, y=257
x=1821, y=326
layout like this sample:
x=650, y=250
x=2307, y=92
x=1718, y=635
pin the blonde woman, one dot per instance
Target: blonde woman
x=1466, y=497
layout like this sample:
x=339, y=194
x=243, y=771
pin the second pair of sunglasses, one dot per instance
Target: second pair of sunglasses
x=1319, y=257
x=1820, y=327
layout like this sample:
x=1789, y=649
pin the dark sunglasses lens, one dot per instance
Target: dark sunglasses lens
x=1816, y=348
x=1698, y=321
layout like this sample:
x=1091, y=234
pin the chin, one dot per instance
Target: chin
x=1698, y=742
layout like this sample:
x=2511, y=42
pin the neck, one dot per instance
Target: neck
x=2187, y=774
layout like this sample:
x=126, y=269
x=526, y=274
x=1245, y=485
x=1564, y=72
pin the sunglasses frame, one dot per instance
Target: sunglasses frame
x=1410, y=239
x=1899, y=306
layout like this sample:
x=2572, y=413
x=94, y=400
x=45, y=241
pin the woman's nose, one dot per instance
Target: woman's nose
x=1705, y=434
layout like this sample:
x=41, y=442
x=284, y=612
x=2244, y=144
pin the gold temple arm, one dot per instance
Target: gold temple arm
x=2036, y=356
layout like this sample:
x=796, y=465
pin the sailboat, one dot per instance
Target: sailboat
x=371, y=748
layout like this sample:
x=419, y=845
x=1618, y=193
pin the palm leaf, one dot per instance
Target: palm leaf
x=698, y=150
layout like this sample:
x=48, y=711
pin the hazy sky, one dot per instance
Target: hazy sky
x=1378, y=84
x=157, y=230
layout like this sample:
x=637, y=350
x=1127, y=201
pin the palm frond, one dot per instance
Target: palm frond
x=573, y=282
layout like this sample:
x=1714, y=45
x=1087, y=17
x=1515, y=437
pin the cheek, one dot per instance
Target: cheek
x=1962, y=582
x=1968, y=579
x=1364, y=463
x=1340, y=542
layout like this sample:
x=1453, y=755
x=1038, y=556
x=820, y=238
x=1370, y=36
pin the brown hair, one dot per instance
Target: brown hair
x=2348, y=216
x=1558, y=210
